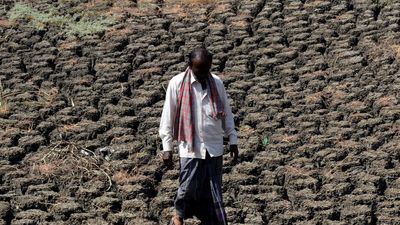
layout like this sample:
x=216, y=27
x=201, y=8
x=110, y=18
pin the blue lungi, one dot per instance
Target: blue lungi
x=199, y=193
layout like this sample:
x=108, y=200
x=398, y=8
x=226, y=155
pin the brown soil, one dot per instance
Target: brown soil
x=314, y=86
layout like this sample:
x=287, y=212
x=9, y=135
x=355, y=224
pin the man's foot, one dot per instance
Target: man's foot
x=176, y=220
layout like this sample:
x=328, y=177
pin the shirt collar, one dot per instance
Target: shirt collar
x=192, y=77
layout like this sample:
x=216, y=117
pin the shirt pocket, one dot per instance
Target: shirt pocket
x=208, y=109
x=212, y=127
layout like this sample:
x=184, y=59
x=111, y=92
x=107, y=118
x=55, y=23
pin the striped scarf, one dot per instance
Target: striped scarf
x=183, y=129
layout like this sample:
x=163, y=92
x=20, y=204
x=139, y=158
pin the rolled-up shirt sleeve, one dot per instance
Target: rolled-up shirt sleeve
x=229, y=124
x=168, y=117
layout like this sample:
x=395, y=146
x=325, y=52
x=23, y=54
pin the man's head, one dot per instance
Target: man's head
x=200, y=61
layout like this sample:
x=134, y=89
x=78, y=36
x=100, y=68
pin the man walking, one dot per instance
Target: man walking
x=197, y=114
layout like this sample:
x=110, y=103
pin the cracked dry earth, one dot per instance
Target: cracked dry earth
x=314, y=87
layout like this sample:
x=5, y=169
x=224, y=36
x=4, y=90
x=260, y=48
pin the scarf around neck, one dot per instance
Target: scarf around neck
x=184, y=124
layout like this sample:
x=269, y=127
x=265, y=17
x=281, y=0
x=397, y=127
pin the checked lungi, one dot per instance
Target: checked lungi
x=199, y=193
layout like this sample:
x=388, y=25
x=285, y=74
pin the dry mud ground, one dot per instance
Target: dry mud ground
x=314, y=86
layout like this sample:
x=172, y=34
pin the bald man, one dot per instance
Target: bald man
x=197, y=115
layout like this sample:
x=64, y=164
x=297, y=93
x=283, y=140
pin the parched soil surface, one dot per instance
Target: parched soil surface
x=314, y=86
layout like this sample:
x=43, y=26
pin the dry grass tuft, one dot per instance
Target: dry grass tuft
x=46, y=169
x=70, y=127
x=338, y=94
x=68, y=45
x=67, y=164
x=185, y=8
x=314, y=98
x=72, y=61
x=293, y=173
x=246, y=130
x=129, y=8
x=396, y=50
x=178, y=11
x=348, y=144
x=190, y=2
x=3, y=107
x=6, y=23
x=113, y=32
x=122, y=177
x=290, y=138
x=240, y=22
x=355, y=104
x=387, y=101
x=284, y=138
x=148, y=72
x=47, y=96
x=387, y=45
x=3, y=101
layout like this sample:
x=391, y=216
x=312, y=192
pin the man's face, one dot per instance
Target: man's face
x=201, y=68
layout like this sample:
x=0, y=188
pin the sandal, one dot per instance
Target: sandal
x=176, y=220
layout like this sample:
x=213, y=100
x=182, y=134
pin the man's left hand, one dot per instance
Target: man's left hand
x=167, y=159
x=233, y=149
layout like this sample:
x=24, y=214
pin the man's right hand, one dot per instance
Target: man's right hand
x=167, y=159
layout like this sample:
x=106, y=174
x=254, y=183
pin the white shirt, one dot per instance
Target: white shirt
x=208, y=132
